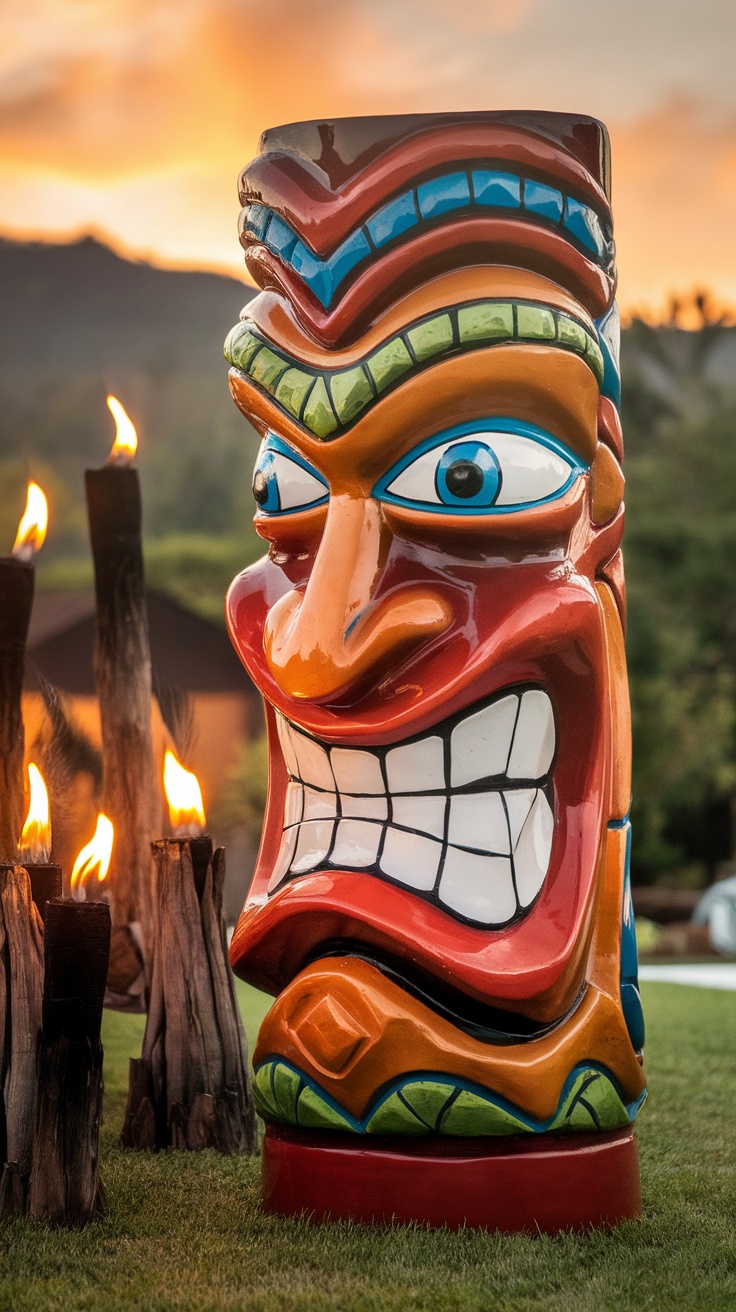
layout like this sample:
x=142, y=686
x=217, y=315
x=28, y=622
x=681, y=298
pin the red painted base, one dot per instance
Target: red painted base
x=569, y=1182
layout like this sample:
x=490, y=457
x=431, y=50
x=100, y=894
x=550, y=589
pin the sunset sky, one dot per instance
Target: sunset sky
x=131, y=118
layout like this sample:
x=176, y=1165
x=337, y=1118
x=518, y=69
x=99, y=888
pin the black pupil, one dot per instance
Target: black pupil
x=260, y=488
x=464, y=478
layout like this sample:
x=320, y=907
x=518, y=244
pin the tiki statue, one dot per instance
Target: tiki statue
x=441, y=903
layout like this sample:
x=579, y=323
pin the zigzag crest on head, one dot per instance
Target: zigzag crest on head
x=344, y=218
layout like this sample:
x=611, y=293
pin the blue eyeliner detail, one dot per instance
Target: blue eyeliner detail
x=481, y=502
x=266, y=466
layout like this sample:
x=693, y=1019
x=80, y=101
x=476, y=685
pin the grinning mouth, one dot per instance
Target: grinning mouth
x=461, y=815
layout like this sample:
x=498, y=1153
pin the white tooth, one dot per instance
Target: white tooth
x=283, y=860
x=518, y=804
x=294, y=804
x=534, y=739
x=356, y=843
x=313, y=844
x=319, y=806
x=364, y=808
x=425, y=813
x=478, y=887
x=314, y=765
x=531, y=858
x=356, y=772
x=479, y=820
x=410, y=859
x=480, y=743
x=416, y=767
x=286, y=738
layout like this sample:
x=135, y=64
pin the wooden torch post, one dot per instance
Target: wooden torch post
x=131, y=795
x=17, y=576
x=190, y=1089
x=21, y=982
x=65, y=1186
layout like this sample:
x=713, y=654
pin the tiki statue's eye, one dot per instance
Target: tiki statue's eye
x=283, y=481
x=492, y=466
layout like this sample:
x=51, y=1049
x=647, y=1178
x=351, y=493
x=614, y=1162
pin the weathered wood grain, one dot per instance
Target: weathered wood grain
x=122, y=662
x=22, y=989
x=190, y=1088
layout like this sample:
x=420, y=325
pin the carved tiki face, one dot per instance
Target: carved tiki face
x=441, y=899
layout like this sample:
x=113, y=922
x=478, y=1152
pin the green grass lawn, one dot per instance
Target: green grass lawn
x=185, y=1231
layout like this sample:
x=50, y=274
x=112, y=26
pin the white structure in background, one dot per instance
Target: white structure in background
x=717, y=910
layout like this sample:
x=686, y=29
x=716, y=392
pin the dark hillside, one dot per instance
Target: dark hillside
x=78, y=321
x=83, y=311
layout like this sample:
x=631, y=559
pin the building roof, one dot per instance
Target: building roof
x=187, y=651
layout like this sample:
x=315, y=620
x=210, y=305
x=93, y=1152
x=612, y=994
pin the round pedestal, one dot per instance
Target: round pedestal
x=545, y=1184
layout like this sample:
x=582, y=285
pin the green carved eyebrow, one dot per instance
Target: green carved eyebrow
x=327, y=401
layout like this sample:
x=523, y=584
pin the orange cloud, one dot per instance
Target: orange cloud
x=132, y=118
x=674, y=201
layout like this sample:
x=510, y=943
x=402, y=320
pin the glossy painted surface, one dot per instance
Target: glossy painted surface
x=560, y=1184
x=437, y=627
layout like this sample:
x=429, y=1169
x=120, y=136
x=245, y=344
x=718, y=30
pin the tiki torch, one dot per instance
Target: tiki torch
x=35, y=844
x=122, y=660
x=16, y=599
x=25, y=888
x=65, y=1187
x=190, y=1088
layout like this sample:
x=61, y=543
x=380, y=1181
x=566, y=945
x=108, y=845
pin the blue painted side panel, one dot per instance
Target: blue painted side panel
x=355, y=248
x=491, y=187
x=255, y=224
x=609, y=335
x=582, y=223
x=314, y=271
x=630, y=996
x=452, y=192
x=391, y=220
x=281, y=238
x=543, y=200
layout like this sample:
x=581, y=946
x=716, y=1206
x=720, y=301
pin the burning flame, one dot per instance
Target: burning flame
x=35, y=840
x=34, y=522
x=96, y=854
x=184, y=796
x=126, y=439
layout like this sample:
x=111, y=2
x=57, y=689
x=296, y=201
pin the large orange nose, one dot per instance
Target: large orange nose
x=336, y=634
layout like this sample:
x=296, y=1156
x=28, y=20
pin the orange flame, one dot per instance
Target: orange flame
x=126, y=439
x=35, y=840
x=184, y=796
x=96, y=855
x=34, y=522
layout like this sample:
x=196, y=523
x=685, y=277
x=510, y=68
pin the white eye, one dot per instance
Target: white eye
x=283, y=482
x=530, y=472
x=483, y=471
